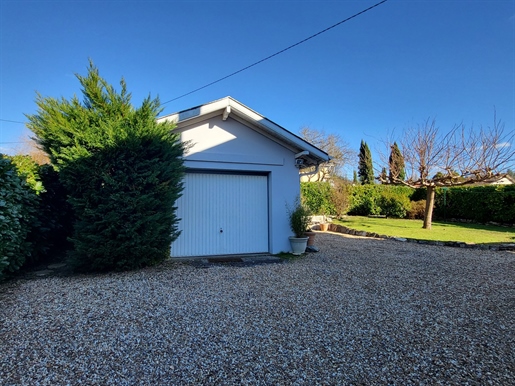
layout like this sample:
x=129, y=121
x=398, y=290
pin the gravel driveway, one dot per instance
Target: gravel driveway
x=361, y=311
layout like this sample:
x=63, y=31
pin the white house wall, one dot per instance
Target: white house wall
x=231, y=146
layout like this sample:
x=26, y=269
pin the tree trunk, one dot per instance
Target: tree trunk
x=430, y=203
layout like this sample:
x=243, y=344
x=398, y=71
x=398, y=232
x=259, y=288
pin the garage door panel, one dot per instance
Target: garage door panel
x=222, y=214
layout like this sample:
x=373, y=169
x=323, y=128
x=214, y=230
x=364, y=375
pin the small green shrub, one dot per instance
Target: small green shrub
x=417, y=210
x=393, y=204
x=317, y=197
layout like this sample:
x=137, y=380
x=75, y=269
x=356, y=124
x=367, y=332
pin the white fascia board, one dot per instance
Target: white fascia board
x=187, y=116
x=279, y=132
x=196, y=112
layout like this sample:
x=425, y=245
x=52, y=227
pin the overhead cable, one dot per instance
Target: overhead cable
x=277, y=53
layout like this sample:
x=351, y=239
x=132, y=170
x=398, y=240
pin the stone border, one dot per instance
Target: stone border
x=456, y=244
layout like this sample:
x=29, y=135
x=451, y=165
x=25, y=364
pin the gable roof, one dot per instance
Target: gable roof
x=310, y=154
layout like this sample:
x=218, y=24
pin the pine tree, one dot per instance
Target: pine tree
x=365, y=168
x=122, y=170
x=396, y=164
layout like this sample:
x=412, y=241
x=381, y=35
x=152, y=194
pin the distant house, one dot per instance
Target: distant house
x=320, y=173
x=506, y=180
x=242, y=171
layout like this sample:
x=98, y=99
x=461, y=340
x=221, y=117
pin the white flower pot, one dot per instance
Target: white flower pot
x=298, y=244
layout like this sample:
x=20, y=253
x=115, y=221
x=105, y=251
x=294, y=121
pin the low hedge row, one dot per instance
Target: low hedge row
x=490, y=203
x=392, y=201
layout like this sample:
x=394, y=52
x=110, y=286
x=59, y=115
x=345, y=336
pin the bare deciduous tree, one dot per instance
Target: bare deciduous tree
x=339, y=151
x=31, y=148
x=460, y=157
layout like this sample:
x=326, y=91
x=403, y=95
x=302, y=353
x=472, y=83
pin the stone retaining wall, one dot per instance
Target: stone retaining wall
x=456, y=244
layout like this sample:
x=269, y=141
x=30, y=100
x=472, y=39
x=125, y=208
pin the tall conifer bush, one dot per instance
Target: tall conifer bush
x=122, y=171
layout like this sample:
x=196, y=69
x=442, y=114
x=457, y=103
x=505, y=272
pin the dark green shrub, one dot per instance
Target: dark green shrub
x=123, y=202
x=51, y=225
x=480, y=203
x=55, y=219
x=18, y=207
x=393, y=204
x=418, y=194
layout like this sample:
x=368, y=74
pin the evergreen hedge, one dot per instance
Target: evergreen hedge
x=479, y=204
x=55, y=219
x=18, y=208
x=45, y=215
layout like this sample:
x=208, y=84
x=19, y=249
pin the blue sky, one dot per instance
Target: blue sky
x=392, y=67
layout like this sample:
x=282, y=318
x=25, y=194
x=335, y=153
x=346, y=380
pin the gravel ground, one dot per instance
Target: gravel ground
x=360, y=312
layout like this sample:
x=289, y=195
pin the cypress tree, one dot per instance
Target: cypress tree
x=365, y=168
x=383, y=174
x=396, y=164
x=122, y=171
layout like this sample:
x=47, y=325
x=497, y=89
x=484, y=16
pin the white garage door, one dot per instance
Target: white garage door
x=222, y=214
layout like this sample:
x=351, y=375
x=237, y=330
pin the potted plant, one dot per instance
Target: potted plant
x=324, y=225
x=300, y=218
x=311, y=237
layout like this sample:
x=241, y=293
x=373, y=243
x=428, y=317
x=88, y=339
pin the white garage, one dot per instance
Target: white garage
x=242, y=172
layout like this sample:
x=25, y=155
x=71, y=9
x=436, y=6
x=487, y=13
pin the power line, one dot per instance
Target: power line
x=262, y=60
x=277, y=53
x=8, y=120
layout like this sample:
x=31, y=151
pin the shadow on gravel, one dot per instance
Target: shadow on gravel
x=234, y=261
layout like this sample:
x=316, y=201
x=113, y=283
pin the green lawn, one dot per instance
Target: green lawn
x=441, y=231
